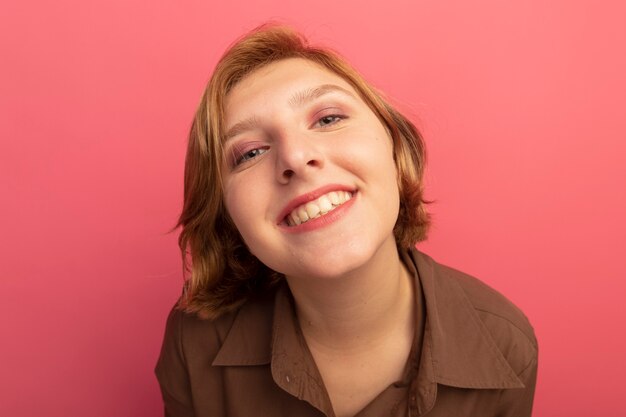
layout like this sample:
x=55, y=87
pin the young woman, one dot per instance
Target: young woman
x=306, y=296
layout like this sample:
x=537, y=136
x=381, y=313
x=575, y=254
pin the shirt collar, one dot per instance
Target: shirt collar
x=249, y=340
x=457, y=348
x=262, y=335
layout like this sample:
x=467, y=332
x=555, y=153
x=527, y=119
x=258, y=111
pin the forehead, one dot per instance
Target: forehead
x=280, y=82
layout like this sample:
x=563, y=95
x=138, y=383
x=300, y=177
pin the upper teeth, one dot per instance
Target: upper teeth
x=316, y=208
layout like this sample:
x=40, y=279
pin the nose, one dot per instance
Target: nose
x=297, y=158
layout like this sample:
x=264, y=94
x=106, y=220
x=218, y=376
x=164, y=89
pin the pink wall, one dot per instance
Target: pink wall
x=522, y=104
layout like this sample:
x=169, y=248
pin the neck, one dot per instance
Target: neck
x=353, y=312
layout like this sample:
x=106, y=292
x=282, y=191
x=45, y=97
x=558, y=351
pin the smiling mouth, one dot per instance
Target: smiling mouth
x=317, y=208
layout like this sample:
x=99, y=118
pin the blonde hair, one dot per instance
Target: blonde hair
x=222, y=273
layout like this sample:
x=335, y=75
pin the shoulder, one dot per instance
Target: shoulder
x=189, y=339
x=505, y=323
x=188, y=368
x=198, y=340
x=490, y=303
x=187, y=330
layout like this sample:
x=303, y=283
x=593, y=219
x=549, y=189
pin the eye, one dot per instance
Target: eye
x=328, y=120
x=249, y=155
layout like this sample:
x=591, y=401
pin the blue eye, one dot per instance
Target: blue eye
x=249, y=155
x=329, y=120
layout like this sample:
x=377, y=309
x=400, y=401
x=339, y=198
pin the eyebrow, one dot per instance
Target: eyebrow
x=243, y=126
x=299, y=99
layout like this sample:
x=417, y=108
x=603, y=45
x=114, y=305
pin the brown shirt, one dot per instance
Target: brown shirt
x=475, y=354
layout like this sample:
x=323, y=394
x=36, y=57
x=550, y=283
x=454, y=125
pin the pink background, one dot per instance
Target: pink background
x=522, y=104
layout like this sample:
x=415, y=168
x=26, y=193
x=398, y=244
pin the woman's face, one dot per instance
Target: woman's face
x=310, y=181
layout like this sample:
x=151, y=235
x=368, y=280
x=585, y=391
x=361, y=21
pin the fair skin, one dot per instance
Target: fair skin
x=311, y=184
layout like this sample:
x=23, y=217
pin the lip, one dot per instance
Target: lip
x=310, y=196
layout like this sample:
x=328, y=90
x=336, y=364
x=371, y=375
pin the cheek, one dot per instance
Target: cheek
x=236, y=199
x=388, y=170
x=376, y=155
x=246, y=201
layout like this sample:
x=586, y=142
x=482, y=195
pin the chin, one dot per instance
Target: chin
x=334, y=263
